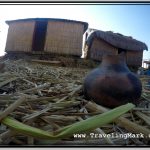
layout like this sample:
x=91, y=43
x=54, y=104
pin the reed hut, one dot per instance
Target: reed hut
x=99, y=43
x=45, y=35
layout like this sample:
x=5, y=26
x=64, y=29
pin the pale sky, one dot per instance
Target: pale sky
x=130, y=20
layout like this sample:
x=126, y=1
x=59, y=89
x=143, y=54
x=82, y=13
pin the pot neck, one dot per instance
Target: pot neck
x=119, y=59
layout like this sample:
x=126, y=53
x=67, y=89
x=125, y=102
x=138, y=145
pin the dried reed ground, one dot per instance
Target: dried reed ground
x=54, y=99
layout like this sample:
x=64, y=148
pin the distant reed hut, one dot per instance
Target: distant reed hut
x=45, y=35
x=99, y=43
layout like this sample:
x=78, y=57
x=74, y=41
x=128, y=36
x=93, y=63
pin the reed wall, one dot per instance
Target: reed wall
x=134, y=58
x=100, y=48
x=20, y=36
x=64, y=38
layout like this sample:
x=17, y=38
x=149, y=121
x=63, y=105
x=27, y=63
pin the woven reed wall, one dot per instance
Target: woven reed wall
x=19, y=36
x=100, y=48
x=64, y=38
x=134, y=58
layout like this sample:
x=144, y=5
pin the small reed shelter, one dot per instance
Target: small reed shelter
x=45, y=35
x=99, y=43
x=146, y=63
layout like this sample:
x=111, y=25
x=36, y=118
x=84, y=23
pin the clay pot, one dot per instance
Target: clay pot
x=112, y=84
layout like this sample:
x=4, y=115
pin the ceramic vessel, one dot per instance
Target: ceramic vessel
x=112, y=83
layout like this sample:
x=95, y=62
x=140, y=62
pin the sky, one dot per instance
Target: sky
x=129, y=20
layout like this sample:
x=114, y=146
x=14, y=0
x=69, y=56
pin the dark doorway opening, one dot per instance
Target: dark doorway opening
x=39, y=35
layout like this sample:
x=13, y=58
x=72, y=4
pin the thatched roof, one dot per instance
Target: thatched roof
x=49, y=19
x=117, y=40
x=147, y=61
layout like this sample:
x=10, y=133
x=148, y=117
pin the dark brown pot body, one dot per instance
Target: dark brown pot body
x=112, y=84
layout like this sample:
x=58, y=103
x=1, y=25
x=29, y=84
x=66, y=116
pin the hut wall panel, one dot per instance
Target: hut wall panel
x=20, y=36
x=100, y=48
x=134, y=58
x=64, y=38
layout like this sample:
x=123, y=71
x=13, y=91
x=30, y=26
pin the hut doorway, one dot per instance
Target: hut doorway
x=39, y=35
